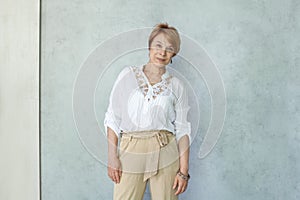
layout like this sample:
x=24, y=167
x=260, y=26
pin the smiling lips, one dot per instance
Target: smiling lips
x=161, y=59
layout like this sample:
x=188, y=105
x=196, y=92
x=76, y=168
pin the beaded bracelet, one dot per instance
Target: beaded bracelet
x=184, y=177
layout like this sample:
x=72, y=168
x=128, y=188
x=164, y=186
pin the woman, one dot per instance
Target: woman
x=148, y=113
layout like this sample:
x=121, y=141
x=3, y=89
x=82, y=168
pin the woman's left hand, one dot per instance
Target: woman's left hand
x=180, y=184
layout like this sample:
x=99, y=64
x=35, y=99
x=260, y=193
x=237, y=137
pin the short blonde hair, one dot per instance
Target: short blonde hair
x=170, y=32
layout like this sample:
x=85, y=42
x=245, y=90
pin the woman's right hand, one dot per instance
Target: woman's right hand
x=114, y=169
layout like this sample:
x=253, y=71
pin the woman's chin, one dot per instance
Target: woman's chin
x=160, y=64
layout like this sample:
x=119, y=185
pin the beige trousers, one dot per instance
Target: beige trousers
x=147, y=157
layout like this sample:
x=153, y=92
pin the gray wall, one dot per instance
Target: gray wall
x=19, y=100
x=256, y=48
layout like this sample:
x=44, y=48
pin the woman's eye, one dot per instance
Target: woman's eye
x=159, y=46
x=170, y=49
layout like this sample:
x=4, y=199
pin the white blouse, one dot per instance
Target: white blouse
x=136, y=105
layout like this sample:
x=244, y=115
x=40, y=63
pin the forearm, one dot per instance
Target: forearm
x=114, y=166
x=112, y=143
x=184, y=152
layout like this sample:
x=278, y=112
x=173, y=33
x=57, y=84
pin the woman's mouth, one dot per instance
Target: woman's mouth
x=161, y=59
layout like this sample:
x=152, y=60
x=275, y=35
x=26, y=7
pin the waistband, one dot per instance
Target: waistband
x=162, y=135
x=145, y=133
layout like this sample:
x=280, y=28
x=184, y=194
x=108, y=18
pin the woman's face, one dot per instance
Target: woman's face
x=161, y=51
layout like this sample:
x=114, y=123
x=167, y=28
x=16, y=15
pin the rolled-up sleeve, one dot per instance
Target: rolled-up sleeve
x=112, y=121
x=113, y=115
x=182, y=126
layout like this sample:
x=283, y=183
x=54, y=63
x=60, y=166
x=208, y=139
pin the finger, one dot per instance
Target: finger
x=117, y=177
x=120, y=172
x=114, y=179
x=111, y=177
x=183, y=188
x=109, y=174
x=175, y=183
x=178, y=191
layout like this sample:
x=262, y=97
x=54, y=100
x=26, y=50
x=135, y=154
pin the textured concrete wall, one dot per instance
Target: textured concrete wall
x=256, y=48
x=19, y=103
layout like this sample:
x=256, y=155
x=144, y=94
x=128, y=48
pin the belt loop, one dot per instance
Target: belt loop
x=162, y=139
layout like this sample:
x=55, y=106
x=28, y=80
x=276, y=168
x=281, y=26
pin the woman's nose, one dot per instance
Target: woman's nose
x=163, y=51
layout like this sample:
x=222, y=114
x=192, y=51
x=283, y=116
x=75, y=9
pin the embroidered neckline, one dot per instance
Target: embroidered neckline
x=149, y=91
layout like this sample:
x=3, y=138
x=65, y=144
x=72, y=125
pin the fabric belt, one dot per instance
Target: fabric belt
x=144, y=157
x=161, y=135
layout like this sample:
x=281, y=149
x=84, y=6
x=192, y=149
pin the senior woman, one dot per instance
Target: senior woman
x=147, y=112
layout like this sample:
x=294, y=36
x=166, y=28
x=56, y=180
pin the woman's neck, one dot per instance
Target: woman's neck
x=154, y=69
